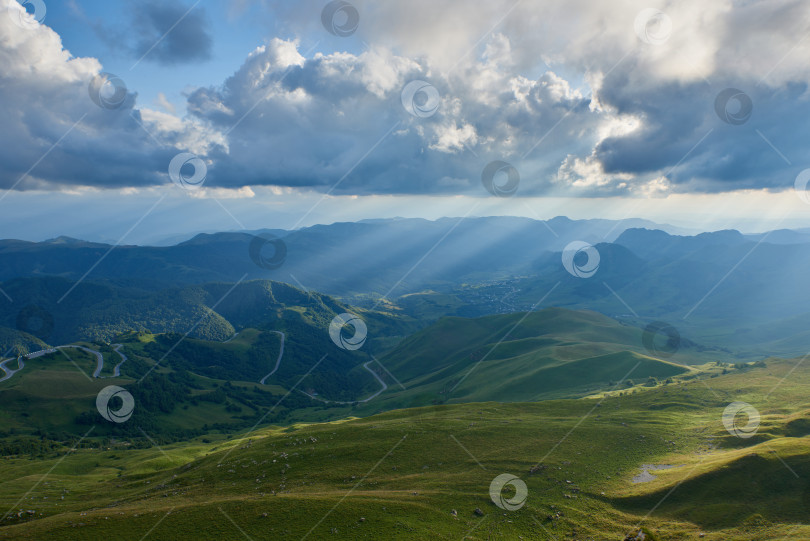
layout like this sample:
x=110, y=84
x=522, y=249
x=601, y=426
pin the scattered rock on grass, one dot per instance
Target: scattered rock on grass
x=636, y=536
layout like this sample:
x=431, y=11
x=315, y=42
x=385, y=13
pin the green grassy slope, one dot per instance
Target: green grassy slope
x=552, y=353
x=55, y=394
x=205, y=385
x=401, y=474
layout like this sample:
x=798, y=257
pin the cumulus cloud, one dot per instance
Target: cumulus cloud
x=669, y=87
x=306, y=122
x=565, y=91
x=54, y=135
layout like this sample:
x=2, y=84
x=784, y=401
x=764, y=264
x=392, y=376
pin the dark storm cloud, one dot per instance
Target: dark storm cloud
x=171, y=34
x=683, y=135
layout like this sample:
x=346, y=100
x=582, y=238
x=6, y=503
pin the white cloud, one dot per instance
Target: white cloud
x=162, y=102
x=245, y=192
x=453, y=138
x=563, y=90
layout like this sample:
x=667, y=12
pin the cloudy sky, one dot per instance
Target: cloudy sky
x=143, y=120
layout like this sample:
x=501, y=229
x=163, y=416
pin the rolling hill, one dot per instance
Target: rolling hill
x=721, y=289
x=551, y=353
x=187, y=386
x=99, y=310
x=419, y=477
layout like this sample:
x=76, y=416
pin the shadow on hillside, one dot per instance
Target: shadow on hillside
x=753, y=490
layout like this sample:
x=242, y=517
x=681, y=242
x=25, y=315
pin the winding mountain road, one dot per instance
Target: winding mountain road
x=9, y=372
x=117, y=369
x=99, y=358
x=21, y=364
x=280, y=355
x=373, y=373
